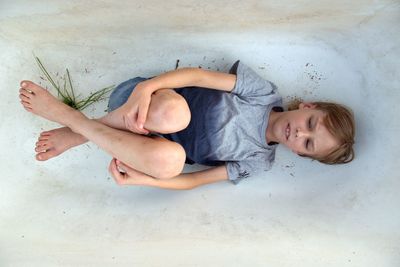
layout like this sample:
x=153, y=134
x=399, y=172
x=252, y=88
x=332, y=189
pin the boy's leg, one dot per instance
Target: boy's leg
x=156, y=157
x=168, y=113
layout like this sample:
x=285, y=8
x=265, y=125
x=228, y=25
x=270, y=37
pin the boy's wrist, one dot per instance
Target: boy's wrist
x=152, y=85
x=149, y=86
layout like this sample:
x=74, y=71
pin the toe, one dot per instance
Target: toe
x=47, y=133
x=46, y=155
x=24, y=98
x=42, y=143
x=24, y=92
x=43, y=138
x=39, y=143
x=30, y=86
x=26, y=104
x=40, y=149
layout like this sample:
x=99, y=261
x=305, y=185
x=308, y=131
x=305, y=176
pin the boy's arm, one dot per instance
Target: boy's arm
x=187, y=77
x=139, y=101
x=180, y=182
x=193, y=179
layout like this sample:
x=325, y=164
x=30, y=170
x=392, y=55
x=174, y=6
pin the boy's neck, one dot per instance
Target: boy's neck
x=273, y=116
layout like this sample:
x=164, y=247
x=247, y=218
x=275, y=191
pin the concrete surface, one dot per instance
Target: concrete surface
x=68, y=212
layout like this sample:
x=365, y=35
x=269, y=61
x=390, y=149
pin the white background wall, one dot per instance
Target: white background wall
x=69, y=212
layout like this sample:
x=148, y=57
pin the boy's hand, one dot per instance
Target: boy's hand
x=139, y=102
x=125, y=175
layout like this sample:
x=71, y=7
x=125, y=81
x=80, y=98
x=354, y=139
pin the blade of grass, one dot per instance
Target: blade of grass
x=48, y=76
x=65, y=85
x=70, y=85
x=97, y=96
x=68, y=95
x=69, y=98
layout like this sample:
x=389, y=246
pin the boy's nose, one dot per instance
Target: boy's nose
x=302, y=133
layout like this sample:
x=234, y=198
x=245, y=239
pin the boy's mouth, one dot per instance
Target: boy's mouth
x=287, y=132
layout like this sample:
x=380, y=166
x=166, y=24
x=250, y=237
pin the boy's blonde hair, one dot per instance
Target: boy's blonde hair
x=339, y=121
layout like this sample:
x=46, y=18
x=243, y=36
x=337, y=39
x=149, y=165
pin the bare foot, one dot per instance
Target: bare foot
x=39, y=101
x=52, y=143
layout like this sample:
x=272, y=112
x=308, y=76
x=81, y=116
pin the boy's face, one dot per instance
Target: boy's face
x=302, y=131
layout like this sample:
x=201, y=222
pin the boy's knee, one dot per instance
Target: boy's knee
x=169, y=160
x=171, y=113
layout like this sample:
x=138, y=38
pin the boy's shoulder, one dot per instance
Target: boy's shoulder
x=252, y=87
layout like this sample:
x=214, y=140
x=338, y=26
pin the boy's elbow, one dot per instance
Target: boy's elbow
x=181, y=187
x=187, y=185
x=191, y=187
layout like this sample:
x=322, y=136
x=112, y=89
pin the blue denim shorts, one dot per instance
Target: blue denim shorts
x=122, y=92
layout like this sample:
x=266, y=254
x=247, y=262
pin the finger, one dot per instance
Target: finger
x=120, y=168
x=123, y=166
x=131, y=124
x=114, y=174
x=109, y=166
x=118, y=177
x=112, y=165
x=128, y=119
x=142, y=115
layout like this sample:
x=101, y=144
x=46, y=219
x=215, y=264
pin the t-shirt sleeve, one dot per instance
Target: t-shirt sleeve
x=249, y=83
x=239, y=170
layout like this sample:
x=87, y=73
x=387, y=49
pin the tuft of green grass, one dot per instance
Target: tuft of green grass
x=66, y=92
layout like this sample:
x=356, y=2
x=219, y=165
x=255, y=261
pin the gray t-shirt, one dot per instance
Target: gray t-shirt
x=229, y=128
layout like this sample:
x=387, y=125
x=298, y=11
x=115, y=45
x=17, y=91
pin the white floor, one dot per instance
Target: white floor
x=69, y=212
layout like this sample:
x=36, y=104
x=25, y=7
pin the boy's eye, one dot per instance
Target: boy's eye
x=307, y=143
x=309, y=124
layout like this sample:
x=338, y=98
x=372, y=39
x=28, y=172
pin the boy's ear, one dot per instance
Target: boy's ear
x=307, y=105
